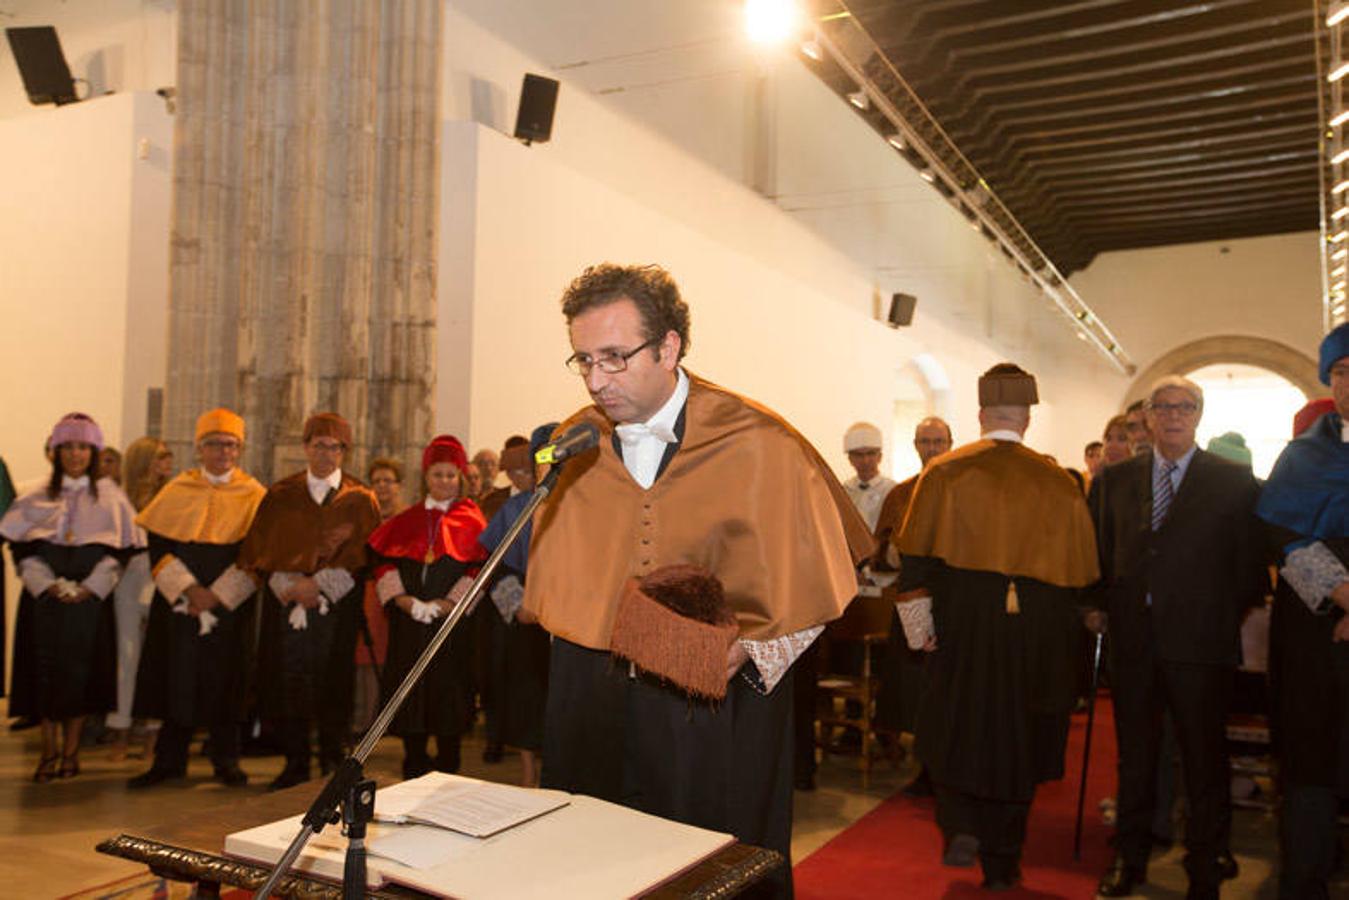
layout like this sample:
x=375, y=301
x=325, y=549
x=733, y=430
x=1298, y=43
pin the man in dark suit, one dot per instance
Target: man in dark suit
x=1181, y=560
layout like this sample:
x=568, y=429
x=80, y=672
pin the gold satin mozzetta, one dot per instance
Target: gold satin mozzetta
x=192, y=509
x=745, y=497
x=980, y=507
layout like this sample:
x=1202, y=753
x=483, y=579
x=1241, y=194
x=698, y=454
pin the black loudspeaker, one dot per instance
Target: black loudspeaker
x=538, y=99
x=901, y=309
x=46, y=77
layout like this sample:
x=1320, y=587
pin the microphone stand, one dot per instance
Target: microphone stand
x=347, y=787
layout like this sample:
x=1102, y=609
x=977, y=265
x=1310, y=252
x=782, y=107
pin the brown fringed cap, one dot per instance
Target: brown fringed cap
x=675, y=624
x=1007, y=384
x=327, y=424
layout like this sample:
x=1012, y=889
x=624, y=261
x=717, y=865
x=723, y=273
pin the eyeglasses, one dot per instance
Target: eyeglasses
x=215, y=444
x=610, y=363
x=1187, y=408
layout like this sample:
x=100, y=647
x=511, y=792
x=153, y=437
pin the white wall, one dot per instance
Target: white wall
x=84, y=270
x=1160, y=298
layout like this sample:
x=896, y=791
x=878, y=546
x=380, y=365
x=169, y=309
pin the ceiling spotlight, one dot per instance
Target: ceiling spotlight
x=1337, y=272
x=926, y=175
x=1340, y=253
x=812, y=49
x=1338, y=72
x=1339, y=236
x=771, y=21
x=1340, y=119
x=1341, y=187
x=1338, y=14
x=1340, y=213
x=859, y=99
x=896, y=140
x=1339, y=157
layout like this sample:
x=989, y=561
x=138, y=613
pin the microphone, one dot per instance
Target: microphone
x=577, y=440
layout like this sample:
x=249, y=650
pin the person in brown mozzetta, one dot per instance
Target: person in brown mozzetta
x=307, y=544
x=686, y=472
x=999, y=538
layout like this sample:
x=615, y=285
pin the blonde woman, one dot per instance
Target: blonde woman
x=146, y=467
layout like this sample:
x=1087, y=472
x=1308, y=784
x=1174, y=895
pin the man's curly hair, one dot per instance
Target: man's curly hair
x=649, y=287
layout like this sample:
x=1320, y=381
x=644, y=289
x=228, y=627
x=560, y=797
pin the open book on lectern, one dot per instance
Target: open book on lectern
x=534, y=843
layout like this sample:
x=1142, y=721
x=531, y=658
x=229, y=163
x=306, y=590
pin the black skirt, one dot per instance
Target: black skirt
x=65, y=654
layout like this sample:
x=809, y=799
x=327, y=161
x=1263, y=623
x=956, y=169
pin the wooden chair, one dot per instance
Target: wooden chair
x=865, y=624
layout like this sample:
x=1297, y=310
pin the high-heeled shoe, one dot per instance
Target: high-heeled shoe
x=70, y=766
x=46, y=769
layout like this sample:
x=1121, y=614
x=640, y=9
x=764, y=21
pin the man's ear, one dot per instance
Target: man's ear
x=669, y=349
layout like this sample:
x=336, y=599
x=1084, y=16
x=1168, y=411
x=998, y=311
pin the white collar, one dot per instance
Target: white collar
x=319, y=487
x=442, y=505
x=1003, y=434
x=1344, y=432
x=662, y=424
x=74, y=484
x=219, y=479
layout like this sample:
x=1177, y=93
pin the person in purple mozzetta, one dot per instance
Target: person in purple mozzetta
x=69, y=539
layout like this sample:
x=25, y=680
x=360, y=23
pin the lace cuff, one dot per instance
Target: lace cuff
x=773, y=658
x=172, y=578
x=103, y=578
x=36, y=575
x=389, y=585
x=280, y=583
x=233, y=587
x=334, y=583
x=1314, y=573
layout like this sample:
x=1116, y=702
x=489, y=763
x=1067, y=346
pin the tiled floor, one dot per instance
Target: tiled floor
x=48, y=832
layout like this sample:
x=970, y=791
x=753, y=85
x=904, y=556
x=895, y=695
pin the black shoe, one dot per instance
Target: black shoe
x=1227, y=866
x=1007, y=881
x=1120, y=879
x=962, y=852
x=290, y=776
x=230, y=775
x=493, y=753
x=24, y=722
x=151, y=778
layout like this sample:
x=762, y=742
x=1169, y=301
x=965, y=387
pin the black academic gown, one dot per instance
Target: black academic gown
x=185, y=677
x=439, y=703
x=993, y=718
x=65, y=654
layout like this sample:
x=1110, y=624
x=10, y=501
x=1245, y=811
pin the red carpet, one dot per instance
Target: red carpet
x=895, y=850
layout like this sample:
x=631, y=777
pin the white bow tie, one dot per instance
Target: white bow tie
x=442, y=505
x=639, y=431
x=74, y=484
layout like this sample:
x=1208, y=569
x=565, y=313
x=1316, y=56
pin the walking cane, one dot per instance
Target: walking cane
x=1086, y=749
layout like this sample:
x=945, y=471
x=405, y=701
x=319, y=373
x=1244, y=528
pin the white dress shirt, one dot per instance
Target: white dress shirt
x=869, y=497
x=319, y=487
x=644, y=443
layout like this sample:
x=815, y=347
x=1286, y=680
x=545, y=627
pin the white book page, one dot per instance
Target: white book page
x=464, y=805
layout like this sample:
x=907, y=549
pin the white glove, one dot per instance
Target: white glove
x=508, y=596
x=423, y=611
x=299, y=616
x=206, y=620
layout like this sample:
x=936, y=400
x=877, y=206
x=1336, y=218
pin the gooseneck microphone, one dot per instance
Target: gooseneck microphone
x=577, y=440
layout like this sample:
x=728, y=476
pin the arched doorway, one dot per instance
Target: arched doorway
x=1251, y=400
x=1298, y=368
x=921, y=389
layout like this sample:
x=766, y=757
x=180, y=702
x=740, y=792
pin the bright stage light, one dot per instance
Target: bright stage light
x=771, y=21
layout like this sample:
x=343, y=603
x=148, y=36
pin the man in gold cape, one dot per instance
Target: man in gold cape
x=192, y=670
x=999, y=536
x=686, y=472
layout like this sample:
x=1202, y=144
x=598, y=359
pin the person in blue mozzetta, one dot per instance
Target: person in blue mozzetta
x=522, y=659
x=1306, y=506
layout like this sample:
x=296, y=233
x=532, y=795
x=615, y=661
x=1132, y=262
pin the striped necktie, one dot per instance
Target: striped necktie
x=1163, y=492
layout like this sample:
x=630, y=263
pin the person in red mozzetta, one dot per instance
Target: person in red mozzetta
x=426, y=555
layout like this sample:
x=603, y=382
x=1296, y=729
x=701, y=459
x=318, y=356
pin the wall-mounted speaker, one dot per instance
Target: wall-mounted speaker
x=42, y=65
x=538, y=99
x=901, y=309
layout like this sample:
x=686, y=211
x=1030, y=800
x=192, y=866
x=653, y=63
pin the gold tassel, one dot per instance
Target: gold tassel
x=1013, y=605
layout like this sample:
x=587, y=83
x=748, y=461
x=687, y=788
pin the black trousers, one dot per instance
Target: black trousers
x=1197, y=698
x=171, y=745
x=805, y=702
x=637, y=742
x=1000, y=826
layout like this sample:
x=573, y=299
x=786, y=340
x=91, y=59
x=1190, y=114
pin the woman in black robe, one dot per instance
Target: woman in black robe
x=426, y=554
x=69, y=541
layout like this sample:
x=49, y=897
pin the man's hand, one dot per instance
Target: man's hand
x=1341, y=632
x=200, y=599
x=1341, y=596
x=403, y=602
x=81, y=595
x=736, y=657
x=1095, y=620
x=304, y=591
x=525, y=617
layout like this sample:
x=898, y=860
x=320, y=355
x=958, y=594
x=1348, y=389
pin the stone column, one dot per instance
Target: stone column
x=306, y=176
